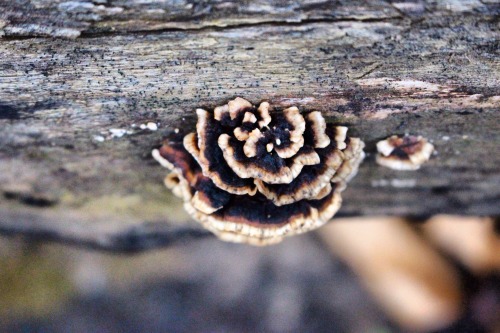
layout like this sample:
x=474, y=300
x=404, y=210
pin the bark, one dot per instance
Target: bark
x=79, y=78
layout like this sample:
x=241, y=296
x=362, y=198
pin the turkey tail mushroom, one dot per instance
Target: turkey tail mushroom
x=404, y=153
x=252, y=175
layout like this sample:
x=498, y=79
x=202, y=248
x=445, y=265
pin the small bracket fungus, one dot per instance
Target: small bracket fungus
x=404, y=153
x=251, y=175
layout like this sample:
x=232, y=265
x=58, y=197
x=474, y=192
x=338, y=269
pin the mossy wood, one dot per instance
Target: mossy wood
x=83, y=83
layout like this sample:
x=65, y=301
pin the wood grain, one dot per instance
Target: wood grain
x=75, y=73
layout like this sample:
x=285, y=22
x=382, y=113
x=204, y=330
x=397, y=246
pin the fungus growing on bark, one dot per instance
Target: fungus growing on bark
x=251, y=175
x=404, y=153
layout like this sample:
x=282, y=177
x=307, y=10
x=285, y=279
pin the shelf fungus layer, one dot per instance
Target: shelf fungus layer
x=404, y=153
x=255, y=175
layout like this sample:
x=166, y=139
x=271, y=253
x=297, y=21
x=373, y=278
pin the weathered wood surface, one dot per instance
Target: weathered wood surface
x=71, y=71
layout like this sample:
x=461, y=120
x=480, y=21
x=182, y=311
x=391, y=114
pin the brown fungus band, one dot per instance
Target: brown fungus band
x=404, y=153
x=256, y=175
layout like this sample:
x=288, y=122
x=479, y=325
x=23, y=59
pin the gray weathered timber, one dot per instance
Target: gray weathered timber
x=79, y=78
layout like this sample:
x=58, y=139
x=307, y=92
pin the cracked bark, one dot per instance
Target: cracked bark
x=425, y=68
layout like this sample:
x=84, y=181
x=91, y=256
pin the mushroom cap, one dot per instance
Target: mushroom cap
x=255, y=176
x=404, y=153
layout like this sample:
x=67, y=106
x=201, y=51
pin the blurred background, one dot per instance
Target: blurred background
x=88, y=88
x=377, y=274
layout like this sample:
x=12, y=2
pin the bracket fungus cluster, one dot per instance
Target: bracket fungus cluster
x=256, y=175
x=404, y=153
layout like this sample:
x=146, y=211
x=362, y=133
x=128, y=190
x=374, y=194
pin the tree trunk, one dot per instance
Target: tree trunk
x=79, y=78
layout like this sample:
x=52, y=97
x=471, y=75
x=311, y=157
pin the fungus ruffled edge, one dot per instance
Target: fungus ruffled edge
x=406, y=153
x=263, y=204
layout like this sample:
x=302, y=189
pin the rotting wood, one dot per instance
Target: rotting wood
x=424, y=68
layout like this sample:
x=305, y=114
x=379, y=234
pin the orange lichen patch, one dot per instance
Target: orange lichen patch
x=249, y=176
x=404, y=153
